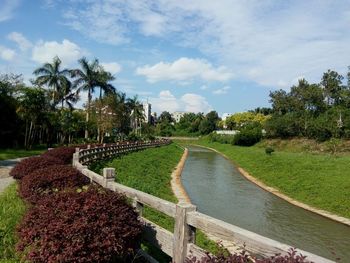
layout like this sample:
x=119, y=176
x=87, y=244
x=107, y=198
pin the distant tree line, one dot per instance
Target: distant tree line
x=319, y=110
x=44, y=113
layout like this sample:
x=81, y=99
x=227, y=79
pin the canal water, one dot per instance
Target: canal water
x=217, y=188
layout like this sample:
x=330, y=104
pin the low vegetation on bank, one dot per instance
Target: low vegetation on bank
x=319, y=180
x=11, y=212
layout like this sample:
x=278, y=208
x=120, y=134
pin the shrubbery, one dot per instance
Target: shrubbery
x=248, y=136
x=31, y=164
x=65, y=154
x=91, y=226
x=48, y=180
x=221, y=138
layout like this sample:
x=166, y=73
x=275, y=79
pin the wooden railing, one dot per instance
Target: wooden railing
x=180, y=243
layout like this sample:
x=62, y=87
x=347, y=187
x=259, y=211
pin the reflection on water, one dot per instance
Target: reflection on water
x=219, y=190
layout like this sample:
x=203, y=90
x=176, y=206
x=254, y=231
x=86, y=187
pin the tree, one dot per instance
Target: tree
x=10, y=122
x=55, y=78
x=332, y=84
x=33, y=106
x=90, y=76
x=209, y=123
x=136, y=113
x=165, y=116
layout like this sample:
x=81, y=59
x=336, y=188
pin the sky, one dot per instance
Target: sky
x=181, y=55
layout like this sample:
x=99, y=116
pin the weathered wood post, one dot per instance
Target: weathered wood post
x=183, y=233
x=108, y=175
x=138, y=206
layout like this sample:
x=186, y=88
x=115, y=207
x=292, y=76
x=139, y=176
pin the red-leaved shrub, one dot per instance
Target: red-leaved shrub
x=48, y=180
x=63, y=153
x=91, y=226
x=28, y=165
x=243, y=257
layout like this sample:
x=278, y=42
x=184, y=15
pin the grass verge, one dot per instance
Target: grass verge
x=11, y=212
x=319, y=180
x=150, y=171
x=18, y=153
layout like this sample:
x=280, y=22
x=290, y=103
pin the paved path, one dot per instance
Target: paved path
x=5, y=168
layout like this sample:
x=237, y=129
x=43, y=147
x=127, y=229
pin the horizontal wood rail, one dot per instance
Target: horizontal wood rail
x=181, y=243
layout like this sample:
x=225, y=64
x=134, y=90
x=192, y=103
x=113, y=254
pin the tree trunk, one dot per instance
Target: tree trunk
x=87, y=114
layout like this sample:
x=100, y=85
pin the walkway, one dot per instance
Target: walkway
x=5, y=168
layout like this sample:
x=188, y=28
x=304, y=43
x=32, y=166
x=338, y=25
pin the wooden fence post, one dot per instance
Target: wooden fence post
x=75, y=157
x=183, y=233
x=108, y=175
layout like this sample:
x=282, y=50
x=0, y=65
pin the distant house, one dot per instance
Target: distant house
x=177, y=115
x=147, y=111
x=224, y=117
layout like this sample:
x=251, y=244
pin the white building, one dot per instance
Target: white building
x=147, y=111
x=226, y=115
x=177, y=115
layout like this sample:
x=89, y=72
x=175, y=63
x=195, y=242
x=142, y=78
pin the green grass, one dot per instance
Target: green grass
x=17, y=153
x=12, y=209
x=320, y=180
x=150, y=171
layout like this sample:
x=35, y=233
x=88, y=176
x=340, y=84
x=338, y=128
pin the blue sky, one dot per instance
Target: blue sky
x=182, y=55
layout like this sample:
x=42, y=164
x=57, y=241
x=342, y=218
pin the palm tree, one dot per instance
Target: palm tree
x=90, y=76
x=136, y=112
x=52, y=76
x=68, y=96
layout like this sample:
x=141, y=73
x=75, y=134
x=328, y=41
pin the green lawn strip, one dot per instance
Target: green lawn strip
x=150, y=171
x=18, y=153
x=322, y=181
x=12, y=209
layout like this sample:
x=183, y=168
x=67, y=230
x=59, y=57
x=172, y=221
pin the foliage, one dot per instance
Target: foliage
x=11, y=212
x=65, y=154
x=31, y=164
x=49, y=180
x=242, y=257
x=318, y=111
x=239, y=120
x=248, y=136
x=269, y=150
x=91, y=226
x=209, y=123
x=221, y=138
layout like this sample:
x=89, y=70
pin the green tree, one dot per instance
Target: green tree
x=90, y=76
x=51, y=75
x=136, y=114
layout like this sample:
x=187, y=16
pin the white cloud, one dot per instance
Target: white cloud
x=269, y=42
x=195, y=103
x=184, y=69
x=67, y=51
x=23, y=43
x=204, y=87
x=7, y=9
x=221, y=91
x=191, y=102
x=7, y=53
x=112, y=67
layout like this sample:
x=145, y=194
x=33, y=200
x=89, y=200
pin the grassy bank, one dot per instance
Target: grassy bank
x=320, y=180
x=150, y=171
x=18, y=153
x=11, y=212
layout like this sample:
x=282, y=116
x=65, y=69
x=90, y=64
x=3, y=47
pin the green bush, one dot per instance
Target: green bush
x=248, y=137
x=269, y=150
x=221, y=138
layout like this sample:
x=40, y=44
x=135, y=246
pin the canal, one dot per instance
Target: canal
x=217, y=188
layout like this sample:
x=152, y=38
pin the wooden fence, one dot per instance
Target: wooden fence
x=181, y=242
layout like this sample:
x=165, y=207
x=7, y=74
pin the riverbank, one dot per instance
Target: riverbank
x=319, y=181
